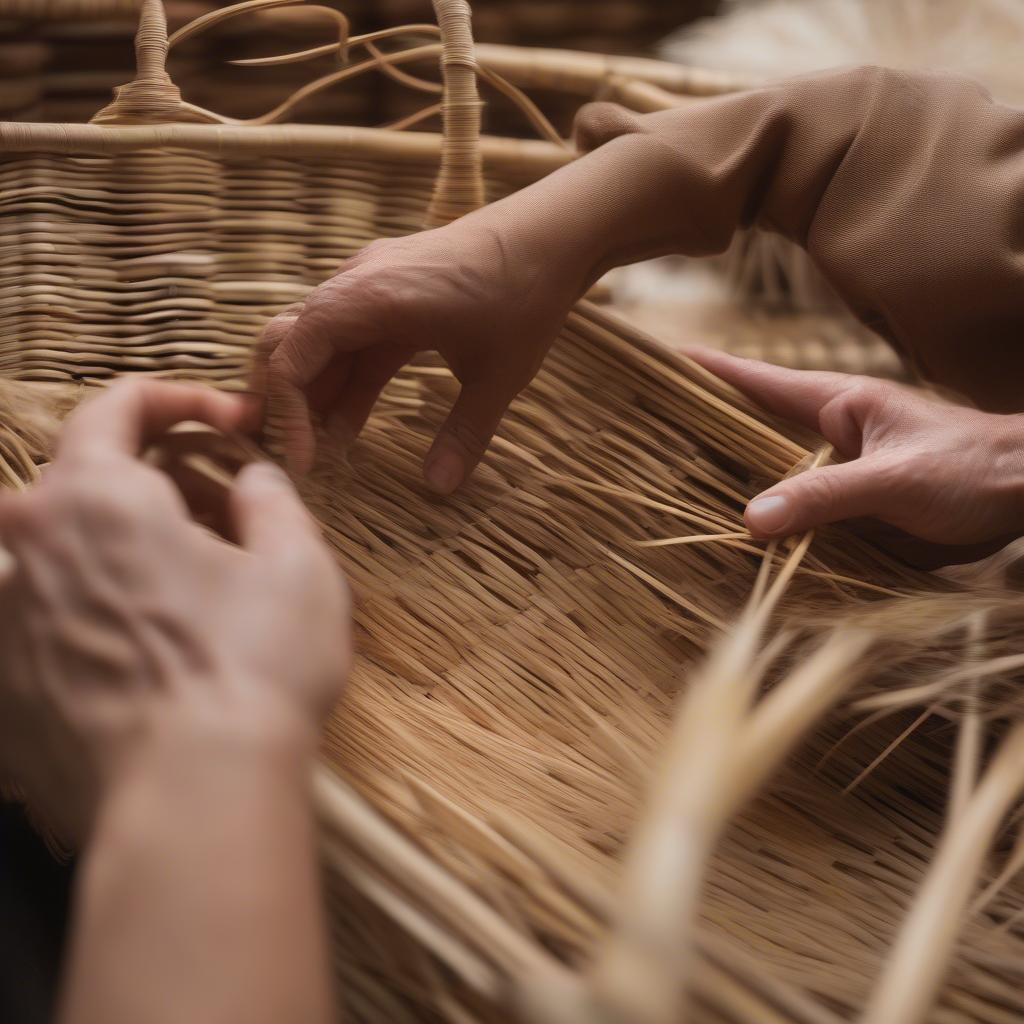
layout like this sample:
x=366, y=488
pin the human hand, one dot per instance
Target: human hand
x=466, y=291
x=945, y=474
x=124, y=625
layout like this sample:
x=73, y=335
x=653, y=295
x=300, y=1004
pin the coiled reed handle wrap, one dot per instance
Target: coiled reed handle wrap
x=152, y=97
x=460, y=184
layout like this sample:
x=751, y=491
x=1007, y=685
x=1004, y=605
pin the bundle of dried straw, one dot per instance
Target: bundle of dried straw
x=604, y=758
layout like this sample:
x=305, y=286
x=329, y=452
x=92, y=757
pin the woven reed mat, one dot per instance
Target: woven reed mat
x=520, y=658
x=531, y=708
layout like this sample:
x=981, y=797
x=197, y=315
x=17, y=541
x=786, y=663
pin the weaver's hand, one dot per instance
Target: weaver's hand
x=124, y=624
x=464, y=291
x=945, y=474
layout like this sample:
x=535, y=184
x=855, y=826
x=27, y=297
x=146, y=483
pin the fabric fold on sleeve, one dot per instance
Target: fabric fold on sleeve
x=907, y=191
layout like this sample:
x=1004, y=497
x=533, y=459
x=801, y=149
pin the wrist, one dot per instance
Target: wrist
x=1007, y=468
x=192, y=757
x=194, y=850
x=581, y=221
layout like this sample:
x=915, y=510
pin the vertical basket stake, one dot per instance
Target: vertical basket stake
x=460, y=184
x=152, y=97
x=151, y=42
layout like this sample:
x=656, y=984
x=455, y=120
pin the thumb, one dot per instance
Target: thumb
x=309, y=340
x=267, y=514
x=466, y=433
x=826, y=495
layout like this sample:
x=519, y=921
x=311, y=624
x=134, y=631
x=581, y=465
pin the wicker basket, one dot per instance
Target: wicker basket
x=80, y=47
x=524, y=645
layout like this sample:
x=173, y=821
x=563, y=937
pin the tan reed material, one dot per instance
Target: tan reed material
x=555, y=791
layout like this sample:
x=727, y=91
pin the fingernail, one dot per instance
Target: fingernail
x=264, y=474
x=444, y=473
x=770, y=514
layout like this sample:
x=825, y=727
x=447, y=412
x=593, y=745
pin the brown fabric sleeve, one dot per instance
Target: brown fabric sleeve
x=906, y=190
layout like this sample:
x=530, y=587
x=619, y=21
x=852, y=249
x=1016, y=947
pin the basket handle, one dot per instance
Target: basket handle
x=460, y=185
x=153, y=98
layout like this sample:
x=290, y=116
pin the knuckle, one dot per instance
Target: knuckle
x=598, y=122
x=843, y=418
x=824, y=491
x=289, y=362
x=863, y=393
x=276, y=329
x=305, y=559
x=127, y=490
x=373, y=248
x=914, y=474
x=377, y=290
x=468, y=437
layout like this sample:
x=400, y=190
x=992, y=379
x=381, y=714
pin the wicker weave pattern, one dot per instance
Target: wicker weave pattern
x=523, y=646
x=199, y=252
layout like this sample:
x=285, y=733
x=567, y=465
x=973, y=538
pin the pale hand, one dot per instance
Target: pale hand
x=464, y=291
x=123, y=623
x=945, y=474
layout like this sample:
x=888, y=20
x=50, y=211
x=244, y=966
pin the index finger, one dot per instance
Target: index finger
x=797, y=395
x=129, y=415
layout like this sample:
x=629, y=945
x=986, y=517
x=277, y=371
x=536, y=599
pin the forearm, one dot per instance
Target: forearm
x=680, y=181
x=904, y=189
x=603, y=210
x=198, y=899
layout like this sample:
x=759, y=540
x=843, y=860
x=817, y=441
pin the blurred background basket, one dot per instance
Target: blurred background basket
x=71, y=53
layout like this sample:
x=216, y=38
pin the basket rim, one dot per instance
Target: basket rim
x=533, y=155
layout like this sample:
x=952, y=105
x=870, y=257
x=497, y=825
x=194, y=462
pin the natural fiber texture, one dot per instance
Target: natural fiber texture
x=692, y=304
x=84, y=49
x=555, y=806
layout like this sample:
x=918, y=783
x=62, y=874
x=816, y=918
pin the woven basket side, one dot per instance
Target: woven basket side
x=171, y=262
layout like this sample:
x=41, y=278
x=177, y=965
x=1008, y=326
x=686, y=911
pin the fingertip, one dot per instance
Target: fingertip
x=769, y=515
x=705, y=354
x=444, y=471
x=230, y=411
x=266, y=507
x=287, y=427
x=339, y=426
x=251, y=412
